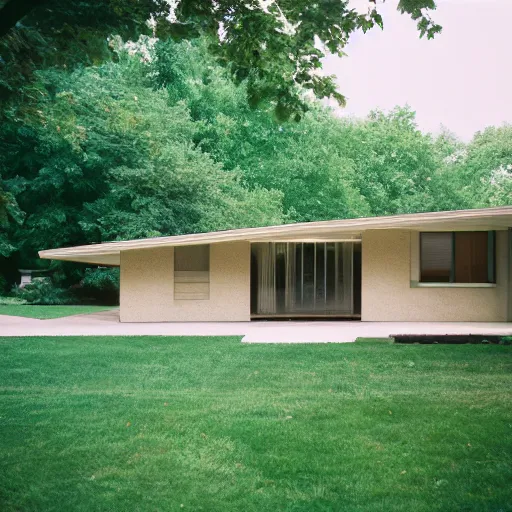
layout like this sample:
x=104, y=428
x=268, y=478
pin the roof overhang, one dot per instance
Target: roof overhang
x=332, y=230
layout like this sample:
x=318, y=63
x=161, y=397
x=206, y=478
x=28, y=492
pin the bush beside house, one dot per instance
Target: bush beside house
x=99, y=286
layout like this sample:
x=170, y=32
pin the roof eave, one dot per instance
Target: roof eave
x=334, y=230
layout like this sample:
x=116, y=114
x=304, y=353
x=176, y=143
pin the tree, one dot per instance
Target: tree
x=9, y=212
x=484, y=168
x=326, y=167
x=276, y=46
x=160, y=141
x=394, y=162
x=299, y=159
x=103, y=155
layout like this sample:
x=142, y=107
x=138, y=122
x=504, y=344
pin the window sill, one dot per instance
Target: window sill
x=416, y=284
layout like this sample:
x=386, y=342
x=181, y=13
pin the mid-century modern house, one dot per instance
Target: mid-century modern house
x=442, y=266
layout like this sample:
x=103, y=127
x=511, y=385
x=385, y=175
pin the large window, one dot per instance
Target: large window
x=460, y=257
x=192, y=272
x=303, y=278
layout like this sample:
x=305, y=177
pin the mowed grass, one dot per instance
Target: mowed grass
x=160, y=423
x=48, y=312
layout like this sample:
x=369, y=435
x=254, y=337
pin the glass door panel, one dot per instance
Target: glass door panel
x=303, y=278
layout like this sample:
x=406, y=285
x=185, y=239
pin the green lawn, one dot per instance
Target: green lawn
x=158, y=423
x=47, y=312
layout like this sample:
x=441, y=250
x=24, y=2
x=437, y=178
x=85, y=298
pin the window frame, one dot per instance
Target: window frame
x=491, y=264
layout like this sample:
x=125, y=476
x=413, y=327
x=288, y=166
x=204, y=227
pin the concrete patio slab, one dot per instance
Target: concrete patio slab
x=106, y=323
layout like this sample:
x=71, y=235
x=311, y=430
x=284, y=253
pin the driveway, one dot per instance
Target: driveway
x=106, y=323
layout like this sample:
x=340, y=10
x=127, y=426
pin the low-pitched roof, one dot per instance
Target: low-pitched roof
x=331, y=230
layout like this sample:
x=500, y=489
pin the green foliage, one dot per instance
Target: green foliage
x=394, y=162
x=42, y=291
x=11, y=301
x=101, y=284
x=6, y=248
x=273, y=46
x=325, y=167
x=418, y=9
x=478, y=174
x=487, y=167
x=162, y=142
x=3, y=285
x=306, y=163
x=9, y=212
x=108, y=157
x=102, y=279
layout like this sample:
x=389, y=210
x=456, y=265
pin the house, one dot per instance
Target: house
x=441, y=266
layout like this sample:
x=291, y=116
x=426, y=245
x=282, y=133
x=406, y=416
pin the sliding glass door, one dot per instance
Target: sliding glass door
x=303, y=278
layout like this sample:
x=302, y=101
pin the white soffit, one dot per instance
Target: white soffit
x=332, y=230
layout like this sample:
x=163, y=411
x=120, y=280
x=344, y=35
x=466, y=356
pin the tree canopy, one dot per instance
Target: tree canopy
x=134, y=136
x=162, y=142
x=275, y=46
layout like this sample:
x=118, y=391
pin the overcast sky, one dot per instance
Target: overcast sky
x=462, y=79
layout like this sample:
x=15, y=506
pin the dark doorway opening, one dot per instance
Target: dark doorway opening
x=306, y=280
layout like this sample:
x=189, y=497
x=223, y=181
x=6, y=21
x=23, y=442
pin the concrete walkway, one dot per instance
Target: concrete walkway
x=106, y=323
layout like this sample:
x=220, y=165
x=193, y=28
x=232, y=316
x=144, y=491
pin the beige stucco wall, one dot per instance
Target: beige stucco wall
x=147, y=286
x=387, y=293
x=389, y=260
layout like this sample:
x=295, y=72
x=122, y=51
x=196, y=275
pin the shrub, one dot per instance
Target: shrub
x=11, y=301
x=102, y=284
x=42, y=291
x=3, y=285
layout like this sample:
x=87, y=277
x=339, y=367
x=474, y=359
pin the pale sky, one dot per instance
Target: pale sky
x=462, y=79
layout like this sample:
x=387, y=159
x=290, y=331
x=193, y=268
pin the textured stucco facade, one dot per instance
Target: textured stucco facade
x=147, y=286
x=389, y=264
